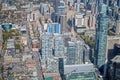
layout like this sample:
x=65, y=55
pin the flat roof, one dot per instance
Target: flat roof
x=81, y=76
x=79, y=68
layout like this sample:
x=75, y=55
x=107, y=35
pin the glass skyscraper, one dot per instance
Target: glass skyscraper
x=101, y=37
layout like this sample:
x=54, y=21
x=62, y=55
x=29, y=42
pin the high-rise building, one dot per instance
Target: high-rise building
x=59, y=46
x=47, y=51
x=75, y=53
x=71, y=52
x=79, y=52
x=59, y=9
x=101, y=38
x=115, y=69
x=63, y=23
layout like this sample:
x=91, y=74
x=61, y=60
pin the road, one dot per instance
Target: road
x=36, y=56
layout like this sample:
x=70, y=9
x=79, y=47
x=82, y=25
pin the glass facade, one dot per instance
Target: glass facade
x=46, y=47
x=59, y=46
x=101, y=40
x=75, y=53
x=82, y=76
x=101, y=37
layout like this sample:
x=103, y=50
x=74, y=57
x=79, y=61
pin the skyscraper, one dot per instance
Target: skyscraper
x=101, y=37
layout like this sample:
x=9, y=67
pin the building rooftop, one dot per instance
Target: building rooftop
x=80, y=72
x=81, y=76
x=79, y=68
x=116, y=59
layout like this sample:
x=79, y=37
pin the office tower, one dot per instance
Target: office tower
x=75, y=53
x=63, y=23
x=61, y=68
x=117, y=31
x=59, y=9
x=59, y=46
x=47, y=43
x=71, y=52
x=79, y=52
x=101, y=38
x=115, y=69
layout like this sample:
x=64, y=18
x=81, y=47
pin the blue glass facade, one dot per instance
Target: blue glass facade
x=54, y=28
x=101, y=40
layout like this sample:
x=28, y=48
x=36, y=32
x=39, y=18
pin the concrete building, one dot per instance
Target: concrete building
x=76, y=53
x=63, y=23
x=79, y=52
x=115, y=68
x=77, y=7
x=47, y=45
x=44, y=8
x=71, y=53
x=79, y=23
x=59, y=46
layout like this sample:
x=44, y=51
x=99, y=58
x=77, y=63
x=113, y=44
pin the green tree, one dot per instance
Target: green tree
x=17, y=46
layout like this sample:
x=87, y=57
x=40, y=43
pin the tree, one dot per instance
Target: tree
x=89, y=41
x=17, y=46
